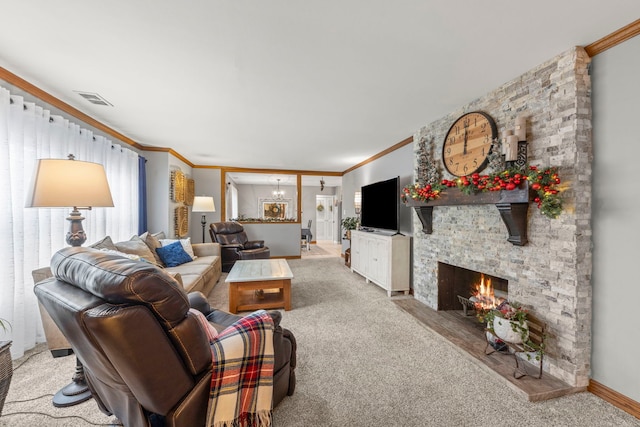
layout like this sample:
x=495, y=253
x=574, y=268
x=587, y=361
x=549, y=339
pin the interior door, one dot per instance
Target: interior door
x=325, y=218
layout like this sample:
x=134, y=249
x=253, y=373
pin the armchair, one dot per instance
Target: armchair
x=235, y=244
x=146, y=357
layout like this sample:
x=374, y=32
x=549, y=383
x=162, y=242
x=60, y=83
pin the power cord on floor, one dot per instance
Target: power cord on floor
x=48, y=415
x=5, y=414
x=28, y=400
x=8, y=414
x=15, y=368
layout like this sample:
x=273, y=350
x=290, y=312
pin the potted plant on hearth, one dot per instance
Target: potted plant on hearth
x=6, y=366
x=349, y=223
x=508, y=321
x=507, y=326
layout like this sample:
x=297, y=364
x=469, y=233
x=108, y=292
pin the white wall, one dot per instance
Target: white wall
x=157, y=191
x=283, y=240
x=616, y=208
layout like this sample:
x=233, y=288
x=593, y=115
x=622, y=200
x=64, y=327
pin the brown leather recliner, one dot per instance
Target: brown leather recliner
x=235, y=243
x=146, y=358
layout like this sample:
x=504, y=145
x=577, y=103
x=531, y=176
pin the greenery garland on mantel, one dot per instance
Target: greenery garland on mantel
x=544, y=182
x=245, y=220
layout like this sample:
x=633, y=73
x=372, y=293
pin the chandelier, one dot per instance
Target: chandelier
x=278, y=194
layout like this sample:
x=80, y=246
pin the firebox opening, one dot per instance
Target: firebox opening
x=456, y=281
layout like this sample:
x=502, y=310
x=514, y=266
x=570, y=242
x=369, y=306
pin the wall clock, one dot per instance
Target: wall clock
x=468, y=142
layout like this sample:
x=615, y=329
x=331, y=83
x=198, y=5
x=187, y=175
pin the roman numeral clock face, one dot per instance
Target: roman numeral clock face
x=468, y=143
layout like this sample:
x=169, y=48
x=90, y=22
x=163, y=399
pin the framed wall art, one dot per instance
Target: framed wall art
x=273, y=209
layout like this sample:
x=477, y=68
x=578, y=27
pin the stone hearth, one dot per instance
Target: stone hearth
x=551, y=273
x=471, y=343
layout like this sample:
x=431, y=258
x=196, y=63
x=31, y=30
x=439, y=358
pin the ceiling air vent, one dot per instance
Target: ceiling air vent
x=94, y=98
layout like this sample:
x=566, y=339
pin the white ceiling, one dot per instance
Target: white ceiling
x=283, y=84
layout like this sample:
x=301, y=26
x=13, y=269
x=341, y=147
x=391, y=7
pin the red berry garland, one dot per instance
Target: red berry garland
x=542, y=182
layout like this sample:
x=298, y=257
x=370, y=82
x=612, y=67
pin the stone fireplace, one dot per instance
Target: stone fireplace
x=551, y=273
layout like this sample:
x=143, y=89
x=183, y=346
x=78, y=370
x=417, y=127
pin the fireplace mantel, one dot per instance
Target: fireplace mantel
x=513, y=206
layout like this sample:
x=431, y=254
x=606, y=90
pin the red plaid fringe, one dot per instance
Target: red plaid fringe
x=242, y=378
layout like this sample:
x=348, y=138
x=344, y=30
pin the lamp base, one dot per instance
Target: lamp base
x=72, y=394
x=76, y=235
x=75, y=392
x=203, y=221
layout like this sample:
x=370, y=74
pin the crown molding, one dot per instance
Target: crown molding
x=167, y=150
x=21, y=83
x=400, y=144
x=613, y=39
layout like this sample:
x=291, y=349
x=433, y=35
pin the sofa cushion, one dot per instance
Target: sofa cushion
x=123, y=254
x=136, y=246
x=186, y=245
x=199, y=275
x=159, y=235
x=173, y=254
x=202, y=260
x=153, y=243
x=175, y=276
x=206, y=249
x=104, y=243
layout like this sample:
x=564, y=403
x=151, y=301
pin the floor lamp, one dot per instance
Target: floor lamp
x=203, y=204
x=68, y=183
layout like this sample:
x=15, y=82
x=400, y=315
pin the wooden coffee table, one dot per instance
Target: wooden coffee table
x=271, y=276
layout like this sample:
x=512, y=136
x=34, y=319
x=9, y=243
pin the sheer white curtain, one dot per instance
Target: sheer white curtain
x=30, y=236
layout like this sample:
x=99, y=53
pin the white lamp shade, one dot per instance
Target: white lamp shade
x=203, y=204
x=69, y=183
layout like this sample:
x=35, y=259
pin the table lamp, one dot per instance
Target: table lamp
x=61, y=183
x=203, y=204
x=82, y=185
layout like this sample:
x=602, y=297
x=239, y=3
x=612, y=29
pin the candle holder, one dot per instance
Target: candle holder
x=521, y=160
x=511, y=150
x=516, y=150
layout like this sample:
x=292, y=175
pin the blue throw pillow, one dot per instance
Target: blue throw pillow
x=173, y=255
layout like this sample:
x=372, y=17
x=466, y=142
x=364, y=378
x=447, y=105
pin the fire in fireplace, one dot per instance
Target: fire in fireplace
x=460, y=289
x=484, y=296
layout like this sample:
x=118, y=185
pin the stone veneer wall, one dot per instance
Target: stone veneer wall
x=552, y=273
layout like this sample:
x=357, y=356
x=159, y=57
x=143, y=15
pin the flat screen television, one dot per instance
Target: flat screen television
x=380, y=207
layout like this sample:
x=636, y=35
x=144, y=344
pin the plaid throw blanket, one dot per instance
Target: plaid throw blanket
x=242, y=380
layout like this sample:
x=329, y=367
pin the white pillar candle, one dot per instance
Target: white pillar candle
x=512, y=148
x=505, y=134
x=521, y=128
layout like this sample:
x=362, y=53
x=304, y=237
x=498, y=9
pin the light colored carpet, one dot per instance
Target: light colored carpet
x=318, y=250
x=362, y=361
x=36, y=377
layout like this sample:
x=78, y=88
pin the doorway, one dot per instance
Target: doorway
x=325, y=218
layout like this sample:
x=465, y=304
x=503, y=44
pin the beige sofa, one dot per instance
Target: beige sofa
x=201, y=275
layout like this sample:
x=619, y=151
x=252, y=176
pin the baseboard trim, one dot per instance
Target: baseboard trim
x=615, y=398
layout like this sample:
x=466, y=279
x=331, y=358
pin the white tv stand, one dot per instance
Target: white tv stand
x=382, y=259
